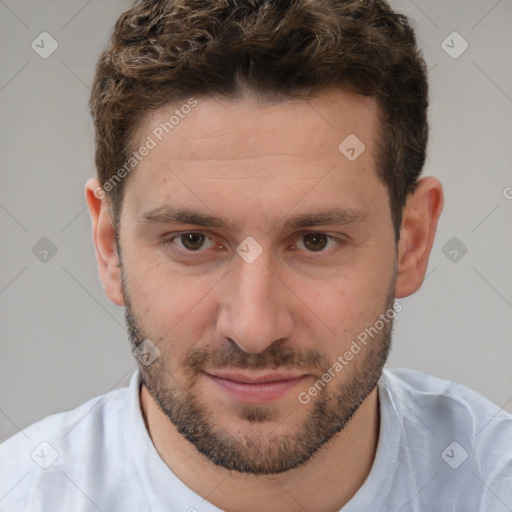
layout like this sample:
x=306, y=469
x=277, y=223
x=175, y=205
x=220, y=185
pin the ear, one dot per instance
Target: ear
x=104, y=241
x=419, y=224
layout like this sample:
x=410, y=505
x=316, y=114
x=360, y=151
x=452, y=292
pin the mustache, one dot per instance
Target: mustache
x=275, y=356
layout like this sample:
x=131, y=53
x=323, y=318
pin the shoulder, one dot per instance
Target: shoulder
x=54, y=447
x=88, y=417
x=441, y=398
x=449, y=403
x=458, y=422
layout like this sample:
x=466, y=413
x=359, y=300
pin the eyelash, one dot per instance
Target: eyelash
x=169, y=240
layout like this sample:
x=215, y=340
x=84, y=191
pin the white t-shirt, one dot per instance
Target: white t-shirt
x=442, y=447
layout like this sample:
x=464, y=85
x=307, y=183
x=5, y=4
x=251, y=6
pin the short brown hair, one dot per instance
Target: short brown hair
x=164, y=51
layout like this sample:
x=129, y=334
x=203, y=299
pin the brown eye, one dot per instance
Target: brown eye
x=192, y=241
x=191, y=244
x=315, y=241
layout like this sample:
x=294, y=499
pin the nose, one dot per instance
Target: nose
x=255, y=308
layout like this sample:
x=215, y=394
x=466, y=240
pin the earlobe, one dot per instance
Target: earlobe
x=420, y=217
x=103, y=235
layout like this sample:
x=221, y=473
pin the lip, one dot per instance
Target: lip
x=255, y=387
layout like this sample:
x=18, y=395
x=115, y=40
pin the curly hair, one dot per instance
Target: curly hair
x=164, y=51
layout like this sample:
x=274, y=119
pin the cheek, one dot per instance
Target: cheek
x=170, y=304
x=350, y=301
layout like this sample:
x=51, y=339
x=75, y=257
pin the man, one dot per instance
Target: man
x=258, y=209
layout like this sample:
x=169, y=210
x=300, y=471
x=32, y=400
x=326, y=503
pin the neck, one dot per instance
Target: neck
x=337, y=470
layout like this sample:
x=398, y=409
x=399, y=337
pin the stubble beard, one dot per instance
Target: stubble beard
x=329, y=412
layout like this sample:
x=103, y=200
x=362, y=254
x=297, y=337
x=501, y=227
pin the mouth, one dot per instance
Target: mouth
x=255, y=387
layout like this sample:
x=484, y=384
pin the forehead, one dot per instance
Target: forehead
x=245, y=150
x=250, y=128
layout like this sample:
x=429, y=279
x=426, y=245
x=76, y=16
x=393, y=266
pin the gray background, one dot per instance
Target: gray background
x=62, y=341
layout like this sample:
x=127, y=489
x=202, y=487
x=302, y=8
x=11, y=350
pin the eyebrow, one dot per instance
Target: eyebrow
x=335, y=216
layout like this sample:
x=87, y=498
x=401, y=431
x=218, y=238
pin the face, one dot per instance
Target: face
x=254, y=253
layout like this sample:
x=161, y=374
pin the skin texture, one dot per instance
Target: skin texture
x=296, y=308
